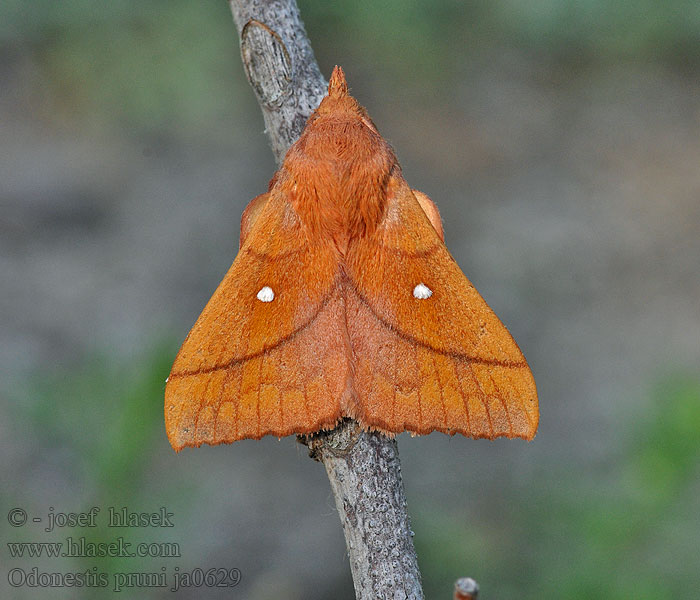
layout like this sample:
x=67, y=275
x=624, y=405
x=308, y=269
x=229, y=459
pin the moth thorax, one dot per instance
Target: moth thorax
x=339, y=201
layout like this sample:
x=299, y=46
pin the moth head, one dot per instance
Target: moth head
x=341, y=134
x=340, y=106
x=337, y=86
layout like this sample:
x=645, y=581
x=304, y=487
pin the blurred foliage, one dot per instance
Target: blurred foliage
x=104, y=420
x=122, y=405
x=616, y=533
x=122, y=62
x=607, y=30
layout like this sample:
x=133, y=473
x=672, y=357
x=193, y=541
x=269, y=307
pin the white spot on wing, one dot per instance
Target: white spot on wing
x=266, y=294
x=422, y=291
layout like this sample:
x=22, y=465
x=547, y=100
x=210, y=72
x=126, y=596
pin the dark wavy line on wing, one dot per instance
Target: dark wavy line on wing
x=280, y=342
x=413, y=340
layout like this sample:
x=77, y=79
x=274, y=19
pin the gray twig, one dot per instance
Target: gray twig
x=280, y=66
x=365, y=475
x=363, y=467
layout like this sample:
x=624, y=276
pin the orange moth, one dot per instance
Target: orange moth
x=343, y=301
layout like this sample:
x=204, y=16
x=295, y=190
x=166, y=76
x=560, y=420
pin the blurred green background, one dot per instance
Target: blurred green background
x=561, y=141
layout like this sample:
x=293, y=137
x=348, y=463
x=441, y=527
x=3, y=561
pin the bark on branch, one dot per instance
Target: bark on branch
x=280, y=67
x=365, y=475
x=363, y=468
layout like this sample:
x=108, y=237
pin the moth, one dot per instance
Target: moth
x=343, y=301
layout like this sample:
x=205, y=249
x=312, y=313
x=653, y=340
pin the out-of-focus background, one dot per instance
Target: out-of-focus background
x=561, y=141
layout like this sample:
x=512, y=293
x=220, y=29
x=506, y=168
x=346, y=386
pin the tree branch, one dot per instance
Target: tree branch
x=363, y=467
x=365, y=475
x=280, y=67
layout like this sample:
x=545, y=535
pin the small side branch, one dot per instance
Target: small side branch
x=466, y=589
x=363, y=467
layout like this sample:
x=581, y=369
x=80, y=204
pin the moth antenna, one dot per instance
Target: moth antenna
x=337, y=86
